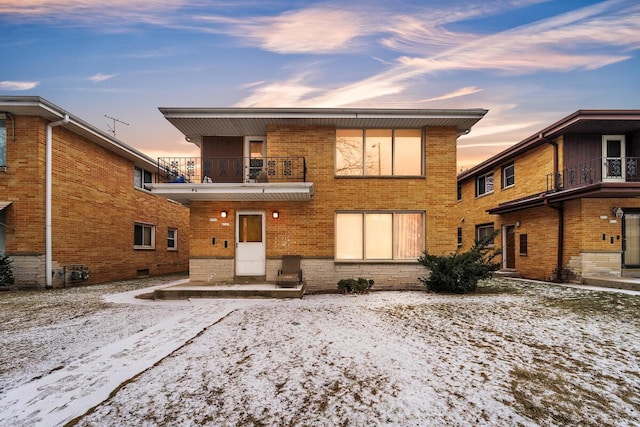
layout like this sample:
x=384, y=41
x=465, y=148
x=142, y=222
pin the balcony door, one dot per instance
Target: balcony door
x=255, y=147
x=222, y=158
x=250, y=246
x=613, y=157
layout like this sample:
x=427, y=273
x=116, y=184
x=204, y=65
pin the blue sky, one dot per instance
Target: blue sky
x=529, y=62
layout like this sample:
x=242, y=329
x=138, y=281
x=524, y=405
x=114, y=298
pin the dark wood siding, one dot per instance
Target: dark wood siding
x=222, y=158
x=581, y=148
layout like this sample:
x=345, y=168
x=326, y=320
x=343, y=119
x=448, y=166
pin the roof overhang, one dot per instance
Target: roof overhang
x=601, y=190
x=241, y=192
x=4, y=204
x=197, y=122
x=36, y=106
x=605, y=122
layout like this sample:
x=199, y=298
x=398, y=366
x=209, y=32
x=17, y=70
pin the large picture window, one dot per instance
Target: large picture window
x=379, y=152
x=379, y=235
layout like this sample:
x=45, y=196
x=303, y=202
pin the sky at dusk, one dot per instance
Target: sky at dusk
x=529, y=62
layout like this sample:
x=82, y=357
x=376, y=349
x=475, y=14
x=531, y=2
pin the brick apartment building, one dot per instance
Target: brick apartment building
x=73, y=200
x=567, y=199
x=354, y=192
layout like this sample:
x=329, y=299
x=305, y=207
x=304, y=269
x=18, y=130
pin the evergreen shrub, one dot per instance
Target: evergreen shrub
x=6, y=271
x=460, y=272
x=355, y=286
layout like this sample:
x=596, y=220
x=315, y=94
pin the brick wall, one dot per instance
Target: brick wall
x=94, y=208
x=307, y=228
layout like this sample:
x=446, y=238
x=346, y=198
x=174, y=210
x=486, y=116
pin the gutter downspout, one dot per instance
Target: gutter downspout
x=556, y=161
x=49, y=168
x=559, y=208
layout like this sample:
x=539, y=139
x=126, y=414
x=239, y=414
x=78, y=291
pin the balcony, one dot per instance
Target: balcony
x=231, y=169
x=597, y=171
x=186, y=179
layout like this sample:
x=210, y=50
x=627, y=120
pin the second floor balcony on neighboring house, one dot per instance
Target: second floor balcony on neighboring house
x=231, y=170
x=596, y=171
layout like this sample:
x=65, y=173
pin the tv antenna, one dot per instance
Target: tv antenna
x=112, y=129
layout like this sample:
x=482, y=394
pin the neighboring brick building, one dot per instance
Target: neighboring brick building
x=355, y=192
x=102, y=218
x=565, y=199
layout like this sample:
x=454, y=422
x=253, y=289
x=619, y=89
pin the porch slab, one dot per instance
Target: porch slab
x=203, y=290
x=628, y=283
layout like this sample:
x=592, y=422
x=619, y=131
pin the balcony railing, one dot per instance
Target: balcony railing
x=603, y=169
x=231, y=169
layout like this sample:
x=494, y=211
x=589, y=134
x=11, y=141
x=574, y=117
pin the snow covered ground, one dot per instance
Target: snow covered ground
x=515, y=353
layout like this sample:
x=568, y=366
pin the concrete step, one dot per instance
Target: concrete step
x=506, y=272
x=629, y=283
x=236, y=290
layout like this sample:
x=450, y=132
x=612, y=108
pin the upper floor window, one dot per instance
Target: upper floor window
x=459, y=192
x=144, y=236
x=379, y=152
x=484, y=184
x=508, y=175
x=3, y=142
x=142, y=177
x=379, y=235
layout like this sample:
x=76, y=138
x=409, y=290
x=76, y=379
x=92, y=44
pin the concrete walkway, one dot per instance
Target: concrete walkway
x=68, y=393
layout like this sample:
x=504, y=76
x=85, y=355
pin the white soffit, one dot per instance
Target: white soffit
x=185, y=193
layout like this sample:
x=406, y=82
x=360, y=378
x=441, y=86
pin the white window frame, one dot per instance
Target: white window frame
x=3, y=141
x=511, y=166
x=172, y=239
x=607, y=177
x=488, y=186
x=393, y=236
x=141, y=181
x=144, y=226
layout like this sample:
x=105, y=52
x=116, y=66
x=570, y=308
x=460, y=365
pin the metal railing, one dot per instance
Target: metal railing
x=603, y=169
x=231, y=169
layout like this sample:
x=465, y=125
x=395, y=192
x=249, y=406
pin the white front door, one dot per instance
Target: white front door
x=250, y=246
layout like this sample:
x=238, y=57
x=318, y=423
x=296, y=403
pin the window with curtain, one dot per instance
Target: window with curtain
x=379, y=235
x=379, y=152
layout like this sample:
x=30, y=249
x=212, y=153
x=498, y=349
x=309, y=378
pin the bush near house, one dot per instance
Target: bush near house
x=460, y=272
x=355, y=286
x=6, y=271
